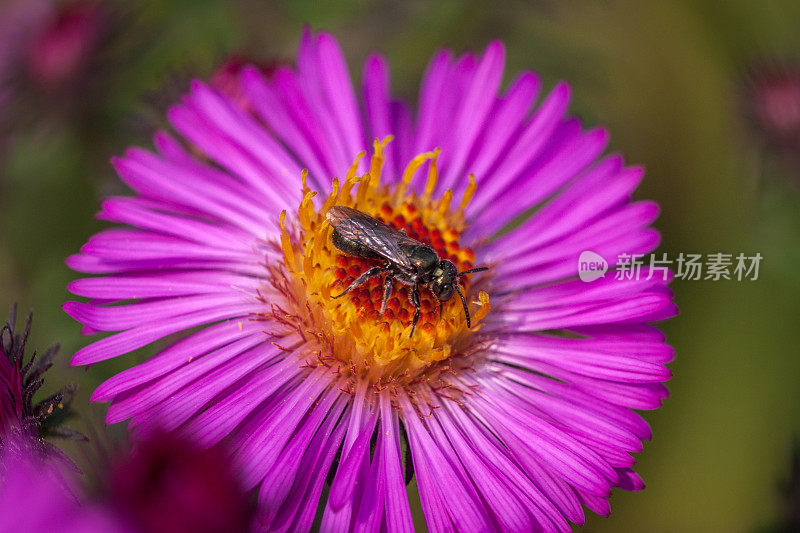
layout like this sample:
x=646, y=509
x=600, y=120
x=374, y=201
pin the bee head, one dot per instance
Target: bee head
x=444, y=281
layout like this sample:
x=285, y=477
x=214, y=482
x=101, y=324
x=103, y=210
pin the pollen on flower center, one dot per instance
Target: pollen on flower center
x=349, y=334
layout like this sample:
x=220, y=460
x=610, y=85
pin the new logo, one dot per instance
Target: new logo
x=591, y=266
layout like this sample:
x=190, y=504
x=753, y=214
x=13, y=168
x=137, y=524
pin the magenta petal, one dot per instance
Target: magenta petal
x=279, y=479
x=398, y=513
x=431, y=93
x=339, y=92
x=349, y=469
x=223, y=198
x=377, y=101
x=546, y=504
x=531, y=141
x=259, y=451
x=139, y=336
x=173, y=357
x=369, y=515
x=285, y=114
x=505, y=504
x=338, y=509
x=448, y=500
x=476, y=103
x=116, y=318
x=259, y=390
x=504, y=122
x=154, y=396
x=298, y=510
x=159, y=285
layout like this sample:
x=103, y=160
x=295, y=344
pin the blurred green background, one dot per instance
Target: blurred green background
x=671, y=79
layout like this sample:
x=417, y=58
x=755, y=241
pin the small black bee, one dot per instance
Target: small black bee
x=407, y=260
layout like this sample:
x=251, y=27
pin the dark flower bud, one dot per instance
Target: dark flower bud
x=168, y=484
x=20, y=380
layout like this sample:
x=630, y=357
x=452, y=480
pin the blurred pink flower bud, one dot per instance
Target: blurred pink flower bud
x=773, y=101
x=64, y=44
x=226, y=78
x=169, y=484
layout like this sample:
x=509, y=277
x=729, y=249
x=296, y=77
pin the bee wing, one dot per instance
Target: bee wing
x=356, y=226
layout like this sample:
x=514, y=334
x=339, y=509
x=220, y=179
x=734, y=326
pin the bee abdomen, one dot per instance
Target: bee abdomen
x=350, y=247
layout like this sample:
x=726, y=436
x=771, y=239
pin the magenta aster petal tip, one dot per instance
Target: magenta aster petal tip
x=514, y=408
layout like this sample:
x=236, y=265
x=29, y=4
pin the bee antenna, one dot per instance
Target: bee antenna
x=471, y=270
x=464, y=302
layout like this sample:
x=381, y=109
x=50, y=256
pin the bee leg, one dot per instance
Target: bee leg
x=464, y=303
x=441, y=308
x=374, y=271
x=415, y=301
x=387, y=291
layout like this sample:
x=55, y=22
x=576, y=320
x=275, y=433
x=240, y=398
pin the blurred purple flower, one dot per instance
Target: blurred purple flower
x=64, y=44
x=170, y=485
x=39, y=493
x=772, y=102
x=46, y=48
x=515, y=424
x=166, y=485
x=46, y=45
x=226, y=77
x=19, y=20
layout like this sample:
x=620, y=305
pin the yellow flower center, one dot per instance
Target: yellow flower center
x=348, y=334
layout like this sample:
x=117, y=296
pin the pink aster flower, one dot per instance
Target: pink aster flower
x=517, y=423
